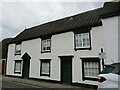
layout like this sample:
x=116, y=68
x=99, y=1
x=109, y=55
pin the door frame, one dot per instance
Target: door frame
x=61, y=77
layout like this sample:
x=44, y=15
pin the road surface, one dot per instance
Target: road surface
x=8, y=84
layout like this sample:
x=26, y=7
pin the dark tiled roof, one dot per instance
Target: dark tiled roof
x=86, y=19
x=110, y=9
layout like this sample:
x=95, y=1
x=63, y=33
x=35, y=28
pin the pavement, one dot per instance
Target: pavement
x=41, y=84
x=16, y=85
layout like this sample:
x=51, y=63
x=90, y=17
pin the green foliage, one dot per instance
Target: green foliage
x=4, y=47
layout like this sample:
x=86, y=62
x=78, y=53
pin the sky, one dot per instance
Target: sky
x=17, y=16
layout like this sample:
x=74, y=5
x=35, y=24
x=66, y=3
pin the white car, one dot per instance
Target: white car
x=109, y=79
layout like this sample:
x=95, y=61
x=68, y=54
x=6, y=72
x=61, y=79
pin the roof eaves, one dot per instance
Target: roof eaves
x=110, y=15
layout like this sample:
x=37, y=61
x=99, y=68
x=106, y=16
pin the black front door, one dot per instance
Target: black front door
x=26, y=65
x=66, y=70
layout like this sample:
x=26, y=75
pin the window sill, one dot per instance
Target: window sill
x=17, y=72
x=89, y=78
x=17, y=53
x=48, y=75
x=83, y=49
x=45, y=51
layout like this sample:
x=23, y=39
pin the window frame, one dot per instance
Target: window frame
x=45, y=38
x=41, y=62
x=16, y=48
x=94, y=59
x=20, y=61
x=82, y=31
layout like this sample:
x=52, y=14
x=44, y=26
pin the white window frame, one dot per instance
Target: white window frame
x=79, y=40
x=18, y=49
x=46, y=45
x=17, y=66
x=90, y=72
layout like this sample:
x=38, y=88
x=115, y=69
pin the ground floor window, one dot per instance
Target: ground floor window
x=17, y=67
x=90, y=68
x=45, y=67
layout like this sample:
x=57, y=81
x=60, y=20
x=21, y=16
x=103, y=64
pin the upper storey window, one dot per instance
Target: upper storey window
x=46, y=45
x=18, y=49
x=82, y=40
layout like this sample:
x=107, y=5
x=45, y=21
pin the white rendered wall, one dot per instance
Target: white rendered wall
x=10, y=60
x=97, y=43
x=110, y=28
x=61, y=45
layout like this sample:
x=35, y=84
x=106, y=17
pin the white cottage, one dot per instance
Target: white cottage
x=67, y=50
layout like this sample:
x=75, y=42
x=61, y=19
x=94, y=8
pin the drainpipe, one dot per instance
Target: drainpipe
x=102, y=58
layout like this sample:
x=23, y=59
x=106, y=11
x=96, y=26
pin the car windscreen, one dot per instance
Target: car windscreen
x=108, y=69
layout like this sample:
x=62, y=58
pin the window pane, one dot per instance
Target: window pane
x=46, y=45
x=86, y=40
x=18, y=49
x=78, y=41
x=48, y=48
x=42, y=45
x=84, y=44
x=76, y=38
x=91, y=69
x=17, y=66
x=82, y=40
x=45, y=68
